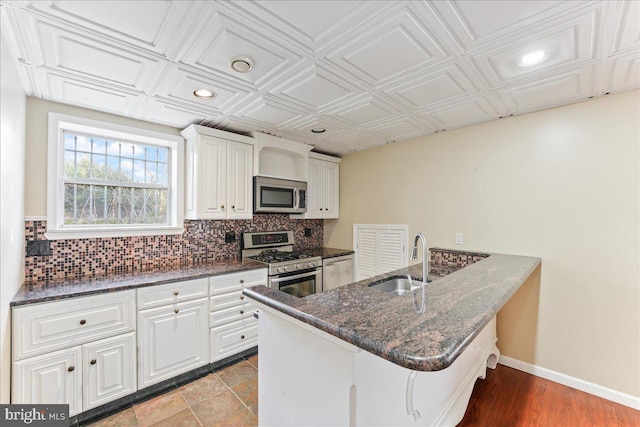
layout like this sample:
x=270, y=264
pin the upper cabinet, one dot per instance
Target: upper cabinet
x=280, y=158
x=219, y=168
x=323, y=194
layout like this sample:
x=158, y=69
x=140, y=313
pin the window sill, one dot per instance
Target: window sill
x=88, y=233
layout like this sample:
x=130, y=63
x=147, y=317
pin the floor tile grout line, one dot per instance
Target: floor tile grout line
x=195, y=416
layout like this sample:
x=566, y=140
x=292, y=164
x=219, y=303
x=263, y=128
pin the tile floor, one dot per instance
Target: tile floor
x=228, y=397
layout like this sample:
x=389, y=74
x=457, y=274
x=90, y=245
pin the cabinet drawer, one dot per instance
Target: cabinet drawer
x=228, y=300
x=237, y=281
x=233, y=338
x=42, y=328
x=156, y=296
x=232, y=314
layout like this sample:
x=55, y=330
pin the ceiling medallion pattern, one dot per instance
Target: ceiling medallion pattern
x=368, y=72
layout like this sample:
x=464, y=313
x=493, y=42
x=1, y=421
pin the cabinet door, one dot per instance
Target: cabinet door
x=331, y=190
x=212, y=178
x=240, y=184
x=171, y=340
x=53, y=378
x=109, y=370
x=315, y=189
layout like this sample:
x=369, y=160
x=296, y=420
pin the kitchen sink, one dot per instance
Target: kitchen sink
x=397, y=285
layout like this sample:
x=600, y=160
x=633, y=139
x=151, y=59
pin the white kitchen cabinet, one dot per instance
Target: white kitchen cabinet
x=172, y=339
x=55, y=342
x=219, y=171
x=84, y=376
x=233, y=327
x=109, y=370
x=53, y=378
x=323, y=187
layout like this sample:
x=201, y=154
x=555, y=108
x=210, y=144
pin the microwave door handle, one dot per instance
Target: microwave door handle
x=295, y=198
x=297, y=276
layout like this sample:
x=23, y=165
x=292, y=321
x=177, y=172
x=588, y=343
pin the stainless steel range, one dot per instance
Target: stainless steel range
x=297, y=273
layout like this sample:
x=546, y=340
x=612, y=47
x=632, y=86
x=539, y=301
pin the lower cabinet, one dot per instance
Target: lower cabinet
x=232, y=338
x=233, y=327
x=84, y=376
x=88, y=351
x=172, y=339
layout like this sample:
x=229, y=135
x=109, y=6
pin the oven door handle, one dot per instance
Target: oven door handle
x=297, y=276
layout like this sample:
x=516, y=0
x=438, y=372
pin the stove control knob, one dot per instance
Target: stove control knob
x=313, y=264
x=280, y=269
x=298, y=266
x=285, y=268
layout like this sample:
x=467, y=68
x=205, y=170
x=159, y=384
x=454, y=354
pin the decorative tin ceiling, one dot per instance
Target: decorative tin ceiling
x=369, y=72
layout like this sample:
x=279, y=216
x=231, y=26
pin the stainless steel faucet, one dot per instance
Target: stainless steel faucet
x=425, y=256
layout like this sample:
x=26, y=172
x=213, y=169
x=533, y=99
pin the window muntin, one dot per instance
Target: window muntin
x=108, y=180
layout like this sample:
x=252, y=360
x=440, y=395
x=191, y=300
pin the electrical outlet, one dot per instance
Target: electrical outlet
x=459, y=238
x=38, y=248
x=229, y=237
x=307, y=232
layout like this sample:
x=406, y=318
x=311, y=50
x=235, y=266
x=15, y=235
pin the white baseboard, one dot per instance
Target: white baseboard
x=586, y=386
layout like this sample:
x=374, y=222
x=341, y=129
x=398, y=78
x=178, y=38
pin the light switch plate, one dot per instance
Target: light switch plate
x=459, y=238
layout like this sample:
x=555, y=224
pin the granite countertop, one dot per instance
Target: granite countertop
x=459, y=305
x=34, y=292
x=330, y=252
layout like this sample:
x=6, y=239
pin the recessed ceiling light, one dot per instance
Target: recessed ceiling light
x=318, y=130
x=532, y=58
x=204, y=94
x=241, y=64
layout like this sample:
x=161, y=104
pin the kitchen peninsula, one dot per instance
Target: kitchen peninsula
x=356, y=355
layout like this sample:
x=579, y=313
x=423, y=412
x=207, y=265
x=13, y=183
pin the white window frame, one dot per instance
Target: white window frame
x=57, y=229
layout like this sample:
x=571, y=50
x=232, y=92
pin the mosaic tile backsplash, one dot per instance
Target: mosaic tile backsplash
x=447, y=258
x=202, y=241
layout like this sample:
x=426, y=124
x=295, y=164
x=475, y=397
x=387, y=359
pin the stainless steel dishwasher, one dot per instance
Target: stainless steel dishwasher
x=337, y=271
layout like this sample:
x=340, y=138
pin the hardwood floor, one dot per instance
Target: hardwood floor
x=508, y=397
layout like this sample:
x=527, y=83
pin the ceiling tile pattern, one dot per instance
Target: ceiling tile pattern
x=369, y=72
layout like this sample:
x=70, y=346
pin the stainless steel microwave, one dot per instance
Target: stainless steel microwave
x=275, y=195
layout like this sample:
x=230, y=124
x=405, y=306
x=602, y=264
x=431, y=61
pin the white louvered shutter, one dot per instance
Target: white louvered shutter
x=379, y=249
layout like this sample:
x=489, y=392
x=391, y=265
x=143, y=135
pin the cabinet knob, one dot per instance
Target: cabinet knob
x=241, y=280
x=82, y=322
x=242, y=297
x=241, y=311
x=71, y=368
x=221, y=206
x=93, y=361
x=176, y=293
x=233, y=206
x=176, y=311
x=241, y=337
x=321, y=209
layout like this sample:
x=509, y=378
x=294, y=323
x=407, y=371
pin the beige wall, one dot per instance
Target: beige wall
x=561, y=184
x=37, y=140
x=12, y=152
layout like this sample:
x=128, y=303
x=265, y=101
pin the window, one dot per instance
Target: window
x=109, y=180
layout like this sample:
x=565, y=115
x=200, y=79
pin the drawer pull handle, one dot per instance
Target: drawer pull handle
x=176, y=293
x=241, y=337
x=71, y=368
x=241, y=311
x=176, y=311
x=241, y=280
x=82, y=322
x=242, y=297
x=93, y=361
